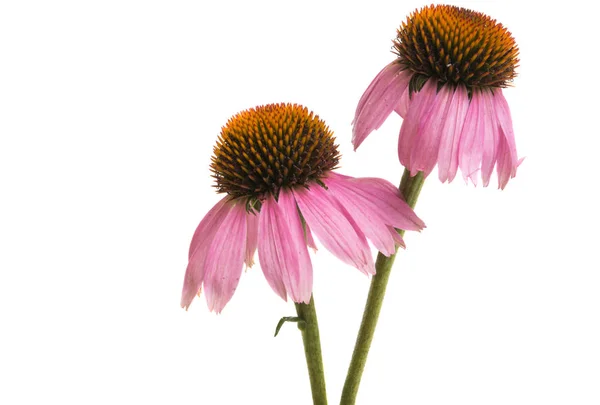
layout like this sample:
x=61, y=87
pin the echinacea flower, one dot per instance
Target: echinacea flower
x=275, y=164
x=447, y=86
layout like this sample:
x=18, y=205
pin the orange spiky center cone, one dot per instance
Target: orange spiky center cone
x=456, y=46
x=266, y=148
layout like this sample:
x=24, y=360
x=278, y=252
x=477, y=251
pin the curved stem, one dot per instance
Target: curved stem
x=312, y=350
x=410, y=187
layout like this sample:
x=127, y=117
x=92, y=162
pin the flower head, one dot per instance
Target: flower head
x=274, y=163
x=446, y=83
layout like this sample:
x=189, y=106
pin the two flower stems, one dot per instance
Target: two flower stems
x=410, y=187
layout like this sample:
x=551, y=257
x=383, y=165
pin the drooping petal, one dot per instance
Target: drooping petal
x=203, y=237
x=507, y=155
x=503, y=166
x=270, y=249
x=365, y=216
x=299, y=278
x=471, y=139
x=225, y=259
x=334, y=227
x=209, y=219
x=375, y=196
x=378, y=86
x=419, y=111
x=450, y=134
x=282, y=249
x=491, y=138
x=252, y=239
x=396, y=212
x=385, y=93
x=425, y=150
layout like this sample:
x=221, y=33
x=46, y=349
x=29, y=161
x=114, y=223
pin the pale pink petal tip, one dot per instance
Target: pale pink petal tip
x=310, y=242
x=397, y=238
x=386, y=93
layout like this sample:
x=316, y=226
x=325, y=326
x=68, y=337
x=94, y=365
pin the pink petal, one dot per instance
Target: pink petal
x=425, y=150
x=252, y=241
x=270, y=249
x=203, y=237
x=403, y=102
x=334, y=227
x=380, y=196
x=365, y=215
x=471, y=139
x=503, y=166
x=299, y=277
x=397, y=238
x=450, y=134
x=491, y=138
x=418, y=113
x=215, y=213
x=385, y=93
x=507, y=159
x=225, y=259
x=282, y=249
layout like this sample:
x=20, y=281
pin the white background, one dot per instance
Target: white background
x=108, y=115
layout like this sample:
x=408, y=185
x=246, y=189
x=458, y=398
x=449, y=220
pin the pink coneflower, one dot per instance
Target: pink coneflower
x=447, y=85
x=275, y=164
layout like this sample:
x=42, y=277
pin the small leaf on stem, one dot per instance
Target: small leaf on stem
x=300, y=321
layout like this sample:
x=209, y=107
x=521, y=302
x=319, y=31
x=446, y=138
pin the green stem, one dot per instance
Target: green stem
x=410, y=187
x=312, y=350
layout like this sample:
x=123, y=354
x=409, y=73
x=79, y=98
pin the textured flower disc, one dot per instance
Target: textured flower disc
x=456, y=46
x=263, y=149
